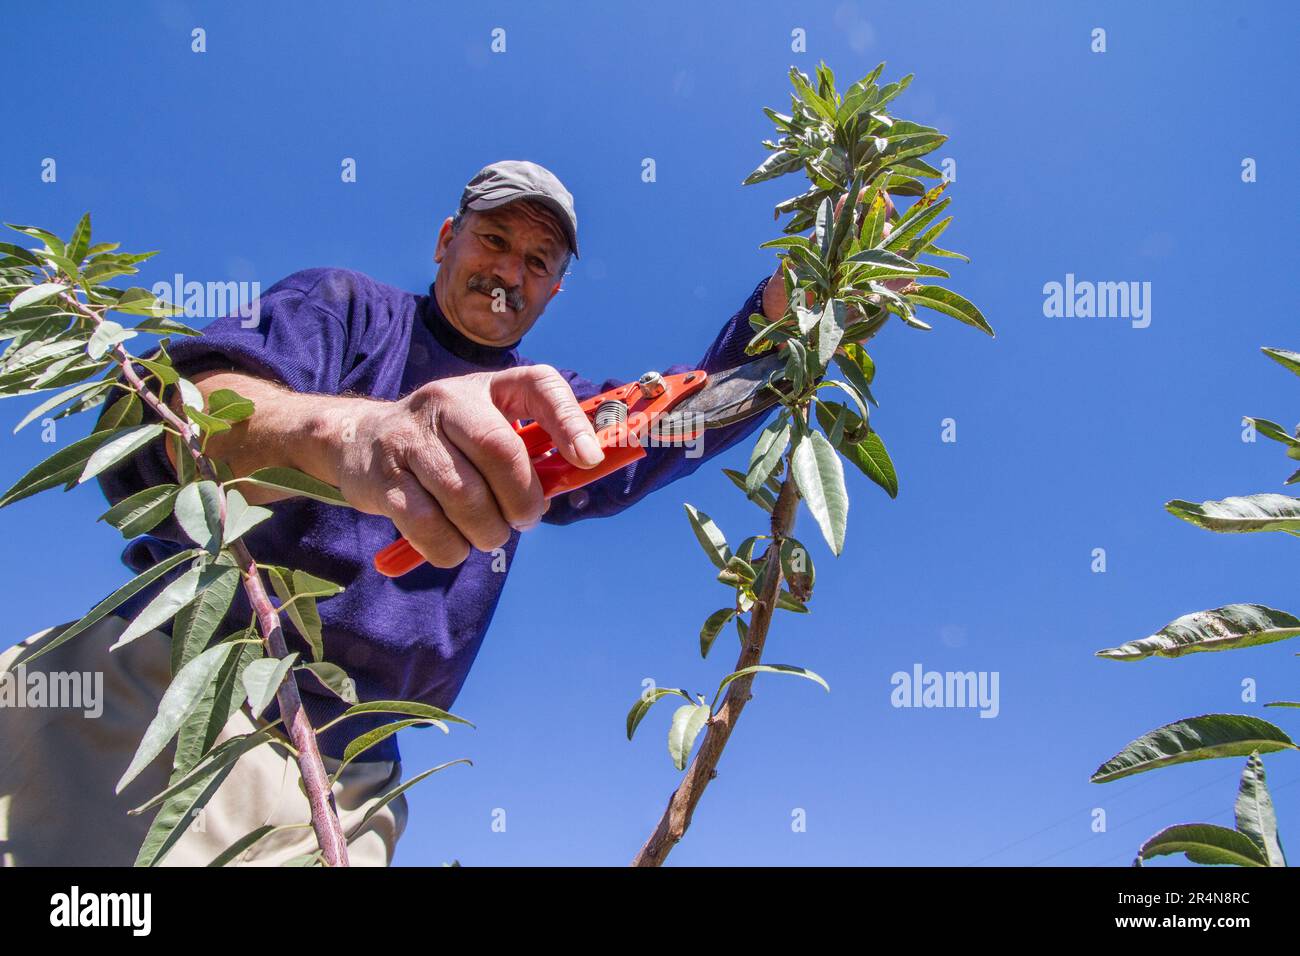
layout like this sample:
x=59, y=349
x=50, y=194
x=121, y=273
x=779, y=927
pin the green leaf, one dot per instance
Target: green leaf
x=763, y=497
x=1285, y=357
x=241, y=516
x=295, y=482
x=869, y=454
x=106, y=335
x=1219, y=629
x=425, y=712
x=217, y=760
x=645, y=702
x=1204, y=843
x=208, y=425
x=37, y=293
x=778, y=164
x=712, y=626
x=769, y=448
x=167, y=375
x=63, y=466
x=138, y=301
x=52, y=242
x=360, y=745
x=873, y=459
x=858, y=368
x=229, y=405
x=162, y=608
x=251, y=839
x=882, y=257
x=298, y=592
x=1194, y=738
x=396, y=792
x=162, y=325
x=333, y=678
x=797, y=568
x=820, y=478
x=1254, y=812
x=198, y=512
x=184, y=692
x=80, y=241
x=949, y=303
x=710, y=537
x=788, y=602
x=59, y=399
x=772, y=669
x=1274, y=431
x=923, y=212
x=123, y=413
x=142, y=511
x=122, y=445
x=688, y=721
x=198, y=620
x=830, y=330
x=263, y=678
x=111, y=603
x=737, y=573
x=225, y=695
x=947, y=254
x=1266, y=512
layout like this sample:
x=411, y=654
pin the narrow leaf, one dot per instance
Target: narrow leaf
x=1195, y=738
x=1223, y=628
x=688, y=721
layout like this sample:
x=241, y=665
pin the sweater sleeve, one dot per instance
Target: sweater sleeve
x=662, y=464
x=297, y=339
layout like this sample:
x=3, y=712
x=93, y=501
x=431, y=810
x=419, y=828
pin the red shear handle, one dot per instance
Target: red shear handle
x=621, y=442
x=557, y=476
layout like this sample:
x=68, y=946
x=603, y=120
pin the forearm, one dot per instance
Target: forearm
x=288, y=429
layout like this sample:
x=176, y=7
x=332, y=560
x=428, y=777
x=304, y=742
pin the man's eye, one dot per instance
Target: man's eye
x=494, y=239
x=539, y=265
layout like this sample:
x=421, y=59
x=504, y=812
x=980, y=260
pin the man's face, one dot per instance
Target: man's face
x=498, y=271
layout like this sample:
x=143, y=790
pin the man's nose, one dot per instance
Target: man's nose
x=509, y=272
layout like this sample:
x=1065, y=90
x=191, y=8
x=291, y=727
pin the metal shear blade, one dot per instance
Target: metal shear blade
x=728, y=397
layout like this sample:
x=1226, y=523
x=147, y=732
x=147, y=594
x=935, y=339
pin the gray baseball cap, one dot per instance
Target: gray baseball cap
x=513, y=179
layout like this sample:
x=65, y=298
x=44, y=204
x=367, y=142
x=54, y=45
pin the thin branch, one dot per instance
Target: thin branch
x=320, y=797
x=681, y=805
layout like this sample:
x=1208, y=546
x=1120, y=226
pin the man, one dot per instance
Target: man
x=405, y=402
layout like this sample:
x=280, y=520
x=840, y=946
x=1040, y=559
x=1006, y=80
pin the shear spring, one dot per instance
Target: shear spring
x=609, y=412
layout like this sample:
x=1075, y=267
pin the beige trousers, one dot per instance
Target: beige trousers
x=60, y=764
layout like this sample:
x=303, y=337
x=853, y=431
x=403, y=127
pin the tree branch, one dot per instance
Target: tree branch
x=681, y=805
x=320, y=796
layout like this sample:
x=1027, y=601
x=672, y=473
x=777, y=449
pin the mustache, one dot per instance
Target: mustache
x=514, y=298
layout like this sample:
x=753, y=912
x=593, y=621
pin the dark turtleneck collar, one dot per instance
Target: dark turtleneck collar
x=457, y=343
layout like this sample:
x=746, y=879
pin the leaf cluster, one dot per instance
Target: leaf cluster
x=1255, y=840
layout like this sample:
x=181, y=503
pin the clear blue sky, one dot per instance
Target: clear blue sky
x=1071, y=432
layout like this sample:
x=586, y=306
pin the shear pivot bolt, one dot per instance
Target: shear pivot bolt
x=652, y=385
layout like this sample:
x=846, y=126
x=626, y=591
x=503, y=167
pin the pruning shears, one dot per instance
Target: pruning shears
x=662, y=409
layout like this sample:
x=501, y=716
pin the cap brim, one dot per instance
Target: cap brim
x=484, y=203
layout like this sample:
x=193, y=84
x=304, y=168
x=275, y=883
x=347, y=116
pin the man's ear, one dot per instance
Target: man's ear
x=444, y=239
x=556, y=288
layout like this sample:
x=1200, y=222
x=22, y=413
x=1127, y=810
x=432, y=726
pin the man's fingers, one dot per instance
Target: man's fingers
x=539, y=392
x=421, y=522
x=493, y=448
x=461, y=492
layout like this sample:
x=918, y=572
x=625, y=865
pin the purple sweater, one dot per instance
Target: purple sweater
x=334, y=331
